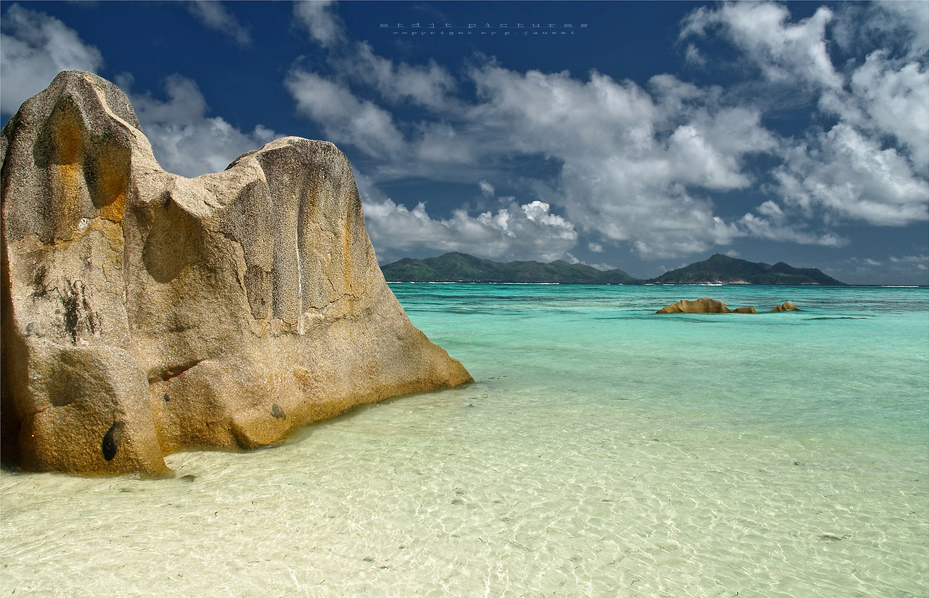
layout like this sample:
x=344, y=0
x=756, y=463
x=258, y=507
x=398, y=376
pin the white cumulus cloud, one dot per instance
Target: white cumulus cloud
x=631, y=159
x=777, y=227
x=850, y=177
x=639, y=164
x=216, y=16
x=34, y=48
x=871, y=166
x=525, y=231
x=184, y=139
x=912, y=17
x=515, y=231
x=344, y=117
x=897, y=102
x=781, y=49
x=321, y=21
x=427, y=85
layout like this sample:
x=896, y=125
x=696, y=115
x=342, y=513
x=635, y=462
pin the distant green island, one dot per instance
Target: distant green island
x=718, y=269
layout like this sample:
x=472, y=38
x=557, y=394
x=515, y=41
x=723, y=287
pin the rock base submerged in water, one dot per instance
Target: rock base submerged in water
x=144, y=312
x=706, y=305
x=703, y=305
x=786, y=306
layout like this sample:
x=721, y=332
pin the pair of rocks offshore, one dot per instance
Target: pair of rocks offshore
x=145, y=313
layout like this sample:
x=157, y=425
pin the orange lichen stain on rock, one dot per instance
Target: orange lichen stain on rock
x=78, y=168
x=114, y=211
x=68, y=179
x=110, y=175
x=112, y=185
x=66, y=187
x=68, y=136
x=67, y=145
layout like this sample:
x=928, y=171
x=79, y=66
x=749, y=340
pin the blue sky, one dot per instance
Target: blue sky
x=637, y=135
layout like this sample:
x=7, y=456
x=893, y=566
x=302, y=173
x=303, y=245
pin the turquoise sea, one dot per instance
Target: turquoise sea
x=603, y=451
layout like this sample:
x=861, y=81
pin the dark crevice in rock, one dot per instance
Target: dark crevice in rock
x=77, y=309
x=110, y=444
x=39, y=282
x=173, y=372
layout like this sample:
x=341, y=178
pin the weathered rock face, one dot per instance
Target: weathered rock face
x=144, y=312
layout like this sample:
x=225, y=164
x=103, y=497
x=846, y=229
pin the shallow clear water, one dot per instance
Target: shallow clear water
x=602, y=451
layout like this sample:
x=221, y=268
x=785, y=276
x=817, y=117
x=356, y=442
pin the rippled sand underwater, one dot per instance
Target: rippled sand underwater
x=603, y=451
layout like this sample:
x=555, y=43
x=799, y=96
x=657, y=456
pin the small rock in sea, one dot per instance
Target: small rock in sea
x=703, y=305
x=786, y=306
x=189, y=477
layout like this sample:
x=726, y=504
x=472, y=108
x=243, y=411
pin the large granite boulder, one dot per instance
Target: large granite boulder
x=144, y=312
